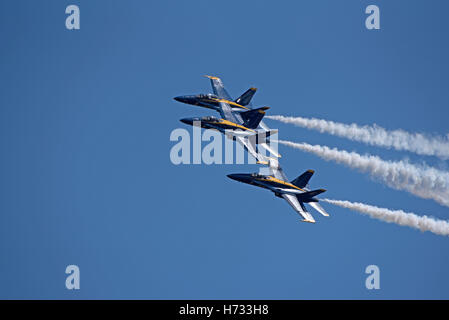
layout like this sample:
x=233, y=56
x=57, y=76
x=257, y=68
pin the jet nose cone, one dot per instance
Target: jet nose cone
x=188, y=121
x=185, y=99
x=235, y=176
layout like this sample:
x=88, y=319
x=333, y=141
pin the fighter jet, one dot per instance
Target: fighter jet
x=212, y=101
x=238, y=121
x=295, y=192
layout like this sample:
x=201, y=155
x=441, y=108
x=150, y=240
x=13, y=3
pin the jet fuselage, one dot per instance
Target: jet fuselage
x=215, y=123
x=210, y=101
x=275, y=185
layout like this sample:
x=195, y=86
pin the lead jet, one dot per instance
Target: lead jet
x=295, y=192
x=212, y=101
x=238, y=121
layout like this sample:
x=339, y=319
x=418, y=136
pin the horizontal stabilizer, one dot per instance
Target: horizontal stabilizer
x=303, y=179
x=246, y=97
x=299, y=207
x=303, y=197
x=319, y=208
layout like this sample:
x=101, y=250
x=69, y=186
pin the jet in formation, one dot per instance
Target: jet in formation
x=238, y=120
x=295, y=192
x=244, y=124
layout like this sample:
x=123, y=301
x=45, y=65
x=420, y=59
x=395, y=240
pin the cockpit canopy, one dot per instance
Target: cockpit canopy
x=207, y=96
x=257, y=175
x=209, y=118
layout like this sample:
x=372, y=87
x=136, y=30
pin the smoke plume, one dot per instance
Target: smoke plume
x=422, y=181
x=418, y=143
x=423, y=223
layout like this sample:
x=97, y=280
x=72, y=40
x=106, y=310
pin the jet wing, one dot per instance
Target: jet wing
x=264, y=126
x=277, y=171
x=227, y=113
x=218, y=88
x=265, y=146
x=246, y=143
x=288, y=191
x=299, y=208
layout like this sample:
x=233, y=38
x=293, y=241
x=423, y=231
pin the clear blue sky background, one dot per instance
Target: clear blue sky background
x=85, y=173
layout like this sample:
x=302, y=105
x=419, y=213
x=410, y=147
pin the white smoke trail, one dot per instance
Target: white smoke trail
x=422, y=181
x=423, y=223
x=374, y=135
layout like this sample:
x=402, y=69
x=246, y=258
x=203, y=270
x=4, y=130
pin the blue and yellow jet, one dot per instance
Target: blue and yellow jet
x=295, y=192
x=238, y=121
x=212, y=101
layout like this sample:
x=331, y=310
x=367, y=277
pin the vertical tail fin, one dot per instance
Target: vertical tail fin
x=303, y=179
x=246, y=97
x=252, y=118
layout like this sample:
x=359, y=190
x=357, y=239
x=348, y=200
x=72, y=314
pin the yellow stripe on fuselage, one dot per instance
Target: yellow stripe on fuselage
x=232, y=124
x=273, y=179
x=232, y=103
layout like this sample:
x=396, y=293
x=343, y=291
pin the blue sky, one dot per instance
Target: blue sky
x=86, y=178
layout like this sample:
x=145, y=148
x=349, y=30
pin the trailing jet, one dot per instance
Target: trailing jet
x=295, y=192
x=238, y=121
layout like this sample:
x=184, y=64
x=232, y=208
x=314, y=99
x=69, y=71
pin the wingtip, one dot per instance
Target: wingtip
x=212, y=77
x=309, y=221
